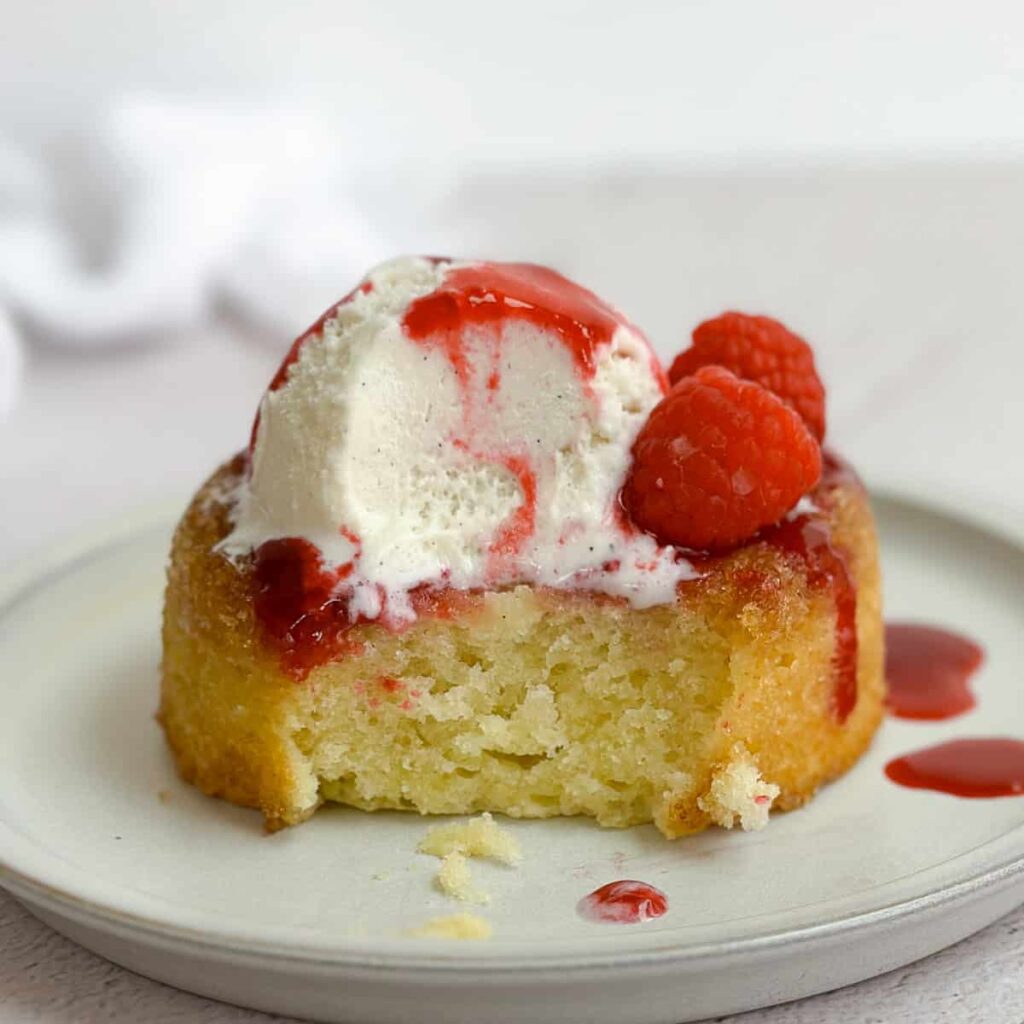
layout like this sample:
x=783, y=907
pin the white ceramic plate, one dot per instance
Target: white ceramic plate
x=102, y=841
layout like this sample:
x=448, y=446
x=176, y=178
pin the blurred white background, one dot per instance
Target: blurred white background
x=183, y=187
x=450, y=82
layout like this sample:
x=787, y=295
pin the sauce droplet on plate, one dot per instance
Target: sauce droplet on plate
x=983, y=767
x=927, y=670
x=623, y=902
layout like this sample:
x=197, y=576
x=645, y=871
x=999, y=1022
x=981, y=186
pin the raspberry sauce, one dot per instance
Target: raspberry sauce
x=517, y=529
x=809, y=538
x=295, y=604
x=928, y=671
x=486, y=296
x=623, y=902
x=495, y=293
x=305, y=611
x=973, y=768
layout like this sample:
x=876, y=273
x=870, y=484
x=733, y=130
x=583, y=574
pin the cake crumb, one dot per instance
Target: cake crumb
x=455, y=879
x=381, y=876
x=738, y=794
x=480, y=837
x=453, y=926
x=164, y=796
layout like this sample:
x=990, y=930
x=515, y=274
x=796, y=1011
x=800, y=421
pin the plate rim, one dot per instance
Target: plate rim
x=409, y=954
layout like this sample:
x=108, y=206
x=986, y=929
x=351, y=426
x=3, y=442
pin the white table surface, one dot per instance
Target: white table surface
x=908, y=282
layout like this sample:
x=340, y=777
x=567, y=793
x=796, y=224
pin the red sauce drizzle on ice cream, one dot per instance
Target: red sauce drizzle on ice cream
x=928, y=671
x=974, y=768
x=517, y=529
x=623, y=902
x=491, y=294
x=487, y=296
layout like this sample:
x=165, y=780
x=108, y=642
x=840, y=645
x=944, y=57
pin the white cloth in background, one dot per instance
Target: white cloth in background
x=206, y=205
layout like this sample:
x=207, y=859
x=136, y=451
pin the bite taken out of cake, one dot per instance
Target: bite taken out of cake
x=482, y=554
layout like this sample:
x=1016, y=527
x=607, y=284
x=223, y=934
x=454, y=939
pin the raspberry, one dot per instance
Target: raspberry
x=718, y=459
x=760, y=349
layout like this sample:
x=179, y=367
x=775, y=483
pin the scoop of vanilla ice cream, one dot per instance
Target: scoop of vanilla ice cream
x=502, y=465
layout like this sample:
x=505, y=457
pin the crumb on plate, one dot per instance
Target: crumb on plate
x=479, y=837
x=453, y=926
x=453, y=844
x=456, y=880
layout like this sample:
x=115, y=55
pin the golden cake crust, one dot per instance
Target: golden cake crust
x=528, y=702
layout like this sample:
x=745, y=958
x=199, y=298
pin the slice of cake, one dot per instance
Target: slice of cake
x=478, y=557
